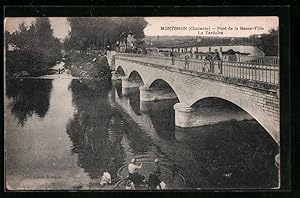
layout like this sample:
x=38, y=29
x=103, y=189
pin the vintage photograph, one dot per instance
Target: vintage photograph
x=141, y=103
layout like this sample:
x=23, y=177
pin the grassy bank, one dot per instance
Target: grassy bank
x=87, y=66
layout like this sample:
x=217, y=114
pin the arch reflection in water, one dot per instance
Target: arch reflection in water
x=249, y=150
x=29, y=97
x=108, y=129
x=145, y=142
x=128, y=107
x=162, y=116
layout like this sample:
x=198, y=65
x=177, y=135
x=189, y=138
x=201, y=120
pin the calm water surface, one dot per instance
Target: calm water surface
x=64, y=133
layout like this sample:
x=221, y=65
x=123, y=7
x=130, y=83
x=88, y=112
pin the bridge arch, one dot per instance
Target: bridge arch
x=160, y=84
x=249, y=107
x=164, y=88
x=136, y=76
x=158, y=89
x=262, y=105
x=120, y=71
x=165, y=84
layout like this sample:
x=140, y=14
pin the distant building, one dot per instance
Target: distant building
x=223, y=45
x=243, y=48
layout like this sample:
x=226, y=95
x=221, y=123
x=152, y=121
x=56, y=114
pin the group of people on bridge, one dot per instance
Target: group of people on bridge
x=211, y=58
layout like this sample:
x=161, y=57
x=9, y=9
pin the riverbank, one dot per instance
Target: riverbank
x=50, y=182
x=88, y=66
x=20, y=63
x=34, y=74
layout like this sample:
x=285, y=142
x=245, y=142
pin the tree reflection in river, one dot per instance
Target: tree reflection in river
x=89, y=129
x=106, y=128
x=30, y=96
x=98, y=130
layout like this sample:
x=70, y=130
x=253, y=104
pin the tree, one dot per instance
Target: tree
x=98, y=33
x=268, y=42
x=36, y=47
x=126, y=26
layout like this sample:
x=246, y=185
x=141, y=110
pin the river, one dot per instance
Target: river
x=63, y=133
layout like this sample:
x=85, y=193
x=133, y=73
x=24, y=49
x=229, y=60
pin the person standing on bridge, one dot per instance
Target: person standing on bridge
x=172, y=57
x=217, y=57
x=208, y=58
x=186, y=61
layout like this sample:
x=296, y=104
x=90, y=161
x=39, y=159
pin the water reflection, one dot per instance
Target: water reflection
x=160, y=113
x=106, y=129
x=231, y=154
x=144, y=141
x=128, y=107
x=29, y=96
x=162, y=116
x=134, y=100
x=98, y=150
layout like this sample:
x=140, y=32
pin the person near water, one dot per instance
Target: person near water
x=134, y=176
x=154, y=180
x=105, y=179
x=157, y=170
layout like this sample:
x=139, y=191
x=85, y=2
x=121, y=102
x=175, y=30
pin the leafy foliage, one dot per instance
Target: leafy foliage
x=103, y=32
x=36, y=48
x=87, y=65
x=268, y=42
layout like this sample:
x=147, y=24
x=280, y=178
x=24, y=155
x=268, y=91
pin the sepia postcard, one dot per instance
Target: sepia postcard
x=142, y=103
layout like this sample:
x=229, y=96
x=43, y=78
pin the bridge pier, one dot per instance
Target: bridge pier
x=186, y=116
x=114, y=76
x=126, y=83
x=183, y=115
x=148, y=94
x=129, y=85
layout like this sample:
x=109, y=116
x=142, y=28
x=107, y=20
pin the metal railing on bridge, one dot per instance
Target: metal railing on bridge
x=241, y=58
x=259, y=69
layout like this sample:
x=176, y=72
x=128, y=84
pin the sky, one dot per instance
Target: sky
x=175, y=26
x=229, y=26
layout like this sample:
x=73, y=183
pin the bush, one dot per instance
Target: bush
x=36, y=49
x=82, y=65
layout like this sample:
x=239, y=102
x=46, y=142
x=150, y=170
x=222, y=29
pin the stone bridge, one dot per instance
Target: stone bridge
x=159, y=79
